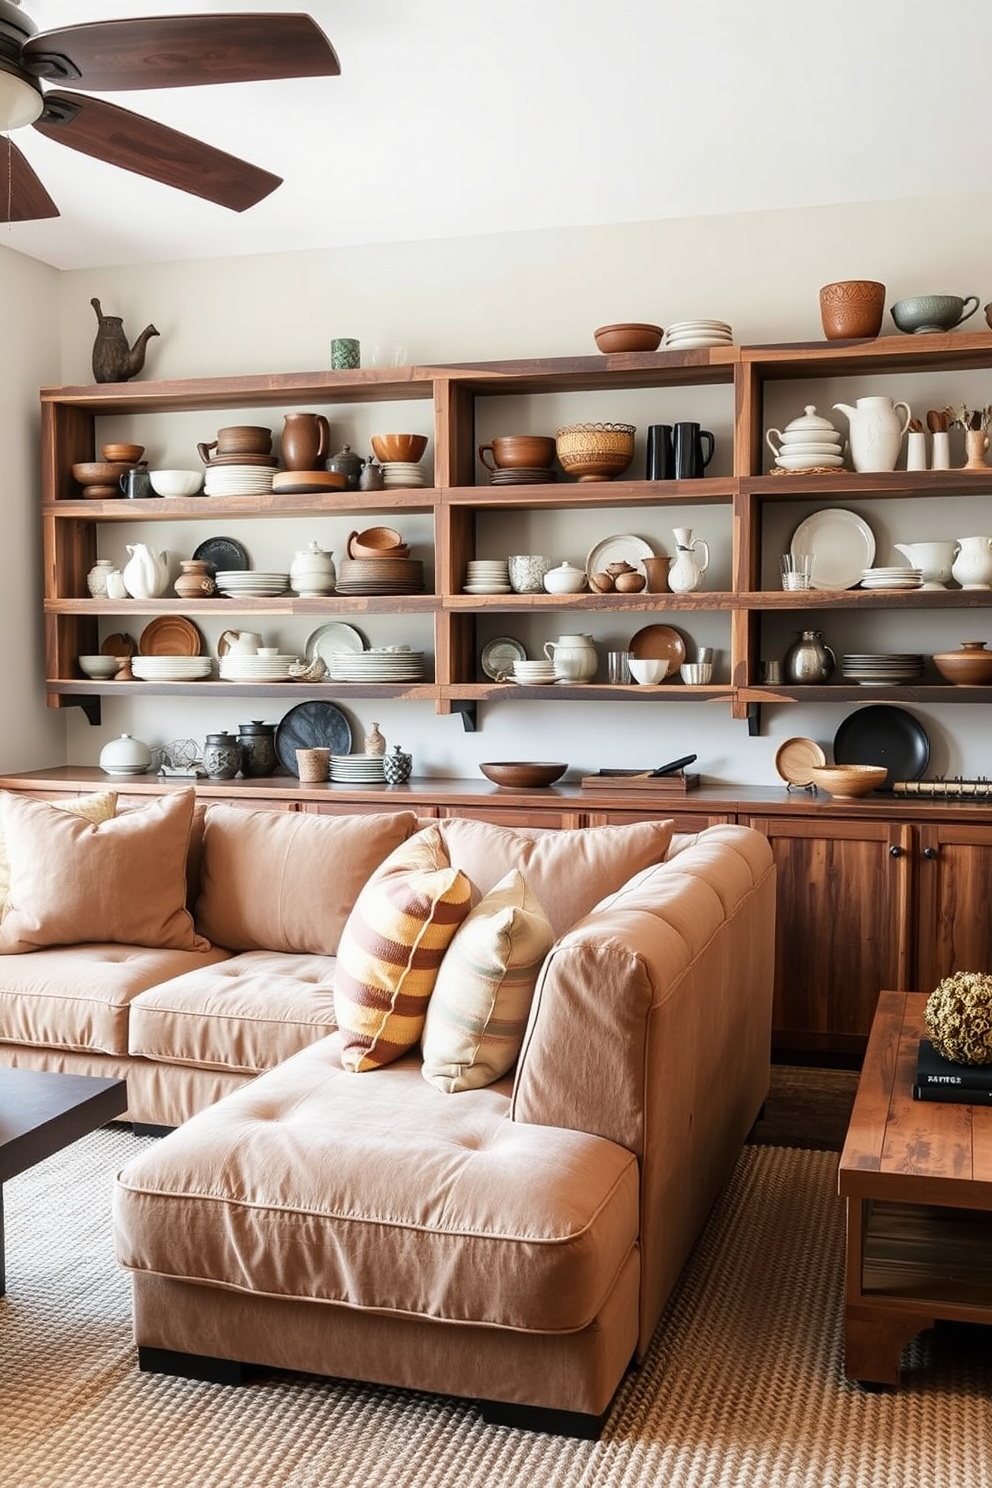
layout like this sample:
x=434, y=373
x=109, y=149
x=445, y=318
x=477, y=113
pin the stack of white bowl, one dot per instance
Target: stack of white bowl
x=403, y=473
x=488, y=576
x=685, y=334
x=808, y=442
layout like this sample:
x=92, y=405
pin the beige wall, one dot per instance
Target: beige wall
x=535, y=294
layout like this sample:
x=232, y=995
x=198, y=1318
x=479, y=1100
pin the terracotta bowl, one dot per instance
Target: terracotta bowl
x=408, y=448
x=376, y=542
x=847, y=781
x=595, y=451
x=630, y=335
x=240, y=439
x=524, y=774
x=969, y=667
x=519, y=452
x=130, y=453
x=852, y=309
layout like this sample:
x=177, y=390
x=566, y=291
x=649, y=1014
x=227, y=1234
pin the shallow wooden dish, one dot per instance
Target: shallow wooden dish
x=522, y=773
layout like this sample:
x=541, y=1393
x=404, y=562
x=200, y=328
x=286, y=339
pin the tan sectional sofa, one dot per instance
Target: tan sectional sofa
x=514, y=1243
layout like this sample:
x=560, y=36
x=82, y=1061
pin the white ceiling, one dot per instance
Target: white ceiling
x=463, y=117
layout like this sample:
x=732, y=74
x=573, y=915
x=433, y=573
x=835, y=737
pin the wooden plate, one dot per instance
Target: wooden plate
x=298, y=482
x=170, y=635
x=659, y=643
x=796, y=760
x=119, y=644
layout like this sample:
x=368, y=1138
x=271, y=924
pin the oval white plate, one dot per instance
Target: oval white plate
x=620, y=549
x=842, y=546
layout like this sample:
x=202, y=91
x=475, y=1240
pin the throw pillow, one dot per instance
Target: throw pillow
x=101, y=806
x=391, y=948
x=121, y=880
x=568, y=871
x=478, y=1009
x=287, y=880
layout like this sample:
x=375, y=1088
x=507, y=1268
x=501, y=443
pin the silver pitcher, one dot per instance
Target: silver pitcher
x=809, y=659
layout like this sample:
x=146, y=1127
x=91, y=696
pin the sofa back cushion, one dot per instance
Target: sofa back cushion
x=287, y=880
x=567, y=871
x=120, y=880
x=391, y=948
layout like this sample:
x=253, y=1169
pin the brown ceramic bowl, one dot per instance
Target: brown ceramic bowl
x=969, y=667
x=519, y=452
x=629, y=335
x=129, y=453
x=408, y=448
x=524, y=774
x=595, y=451
x=847, y=781
x=852, y=309
x=242, y=439
x=375, y=542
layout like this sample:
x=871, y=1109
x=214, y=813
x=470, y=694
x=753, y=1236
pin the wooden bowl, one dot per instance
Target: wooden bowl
x=852, y=309
x=595, y=451
x=630, y=335
x=848, y=781
x=408, y=448
x=524, y=774
x=129, y=453
x=99, y=472
x=969, y=667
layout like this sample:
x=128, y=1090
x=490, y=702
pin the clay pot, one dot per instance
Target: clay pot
x=969, y=667
x=196, y=581
x=852, y=308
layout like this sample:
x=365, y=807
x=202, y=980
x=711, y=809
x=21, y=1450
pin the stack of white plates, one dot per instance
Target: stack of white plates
x=892, y=578
x=237, y=480
x=402, y=473
x=685, y=334
x=357, y=769
x=488, y=576
x=882, y=670
x=172, y=668
x=533, y=673
x=242, y=666
x=253, y=583
x=377, y=664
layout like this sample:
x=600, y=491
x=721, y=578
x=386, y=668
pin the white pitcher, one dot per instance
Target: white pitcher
x=146, y=573
x=574, y=658
x=972, y=568
x=692, y=559
x=875, y=432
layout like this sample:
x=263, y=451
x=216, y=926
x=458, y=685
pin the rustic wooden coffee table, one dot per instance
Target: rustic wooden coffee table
x=917, y=1178
x=42, y=1112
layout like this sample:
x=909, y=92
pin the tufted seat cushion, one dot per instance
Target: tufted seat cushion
x=78, y=997
x=383, y=1193
x=246, y=1014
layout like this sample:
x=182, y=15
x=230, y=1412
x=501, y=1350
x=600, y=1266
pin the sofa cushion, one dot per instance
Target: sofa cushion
x=247, y=1013
x=78, y=997
x=100, y=806
x=122, y=880
x=391, y=948
x=569, y=871
x=478, y=1009
x=287, y=880
x=384, y=1194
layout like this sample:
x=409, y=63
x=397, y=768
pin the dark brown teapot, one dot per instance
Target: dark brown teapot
x=113, y=359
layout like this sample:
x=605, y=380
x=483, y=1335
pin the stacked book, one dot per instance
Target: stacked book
x=940, y=1079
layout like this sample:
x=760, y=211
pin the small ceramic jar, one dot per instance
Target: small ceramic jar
x=312, y=571
x=221, y=756
x=125, y=756
x=258, y=747
x=565, y=579
x=96, y=579
x=196, y=581
x=397, y=767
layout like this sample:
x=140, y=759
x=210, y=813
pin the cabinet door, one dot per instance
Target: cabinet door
x=842, y=928
x=955, y=902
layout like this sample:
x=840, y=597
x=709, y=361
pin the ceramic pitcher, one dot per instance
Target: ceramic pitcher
x=305, y=441
x=692, y=559
x=972, y=568
x=876, y=431
x=574, y=658
x=146, y=573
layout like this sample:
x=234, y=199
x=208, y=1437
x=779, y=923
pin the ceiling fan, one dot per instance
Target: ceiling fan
x=150, y=52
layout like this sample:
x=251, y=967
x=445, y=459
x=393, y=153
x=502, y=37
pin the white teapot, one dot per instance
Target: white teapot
x=574, y=657
x=146, y=573
x=876, y=431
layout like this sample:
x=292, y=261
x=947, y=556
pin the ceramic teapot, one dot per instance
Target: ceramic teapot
x=972, y=568
x=146, y=573
x=933, y=559
x=574, y=658
x=312, y=571
x=692, y=559
x=876, y=431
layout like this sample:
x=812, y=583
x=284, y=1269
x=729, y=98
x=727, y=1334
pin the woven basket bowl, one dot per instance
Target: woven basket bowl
x=595, y=451
x=852, y=309
x=848, y=780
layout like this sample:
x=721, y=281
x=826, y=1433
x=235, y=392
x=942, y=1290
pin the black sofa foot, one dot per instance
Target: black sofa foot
x=542, y=1418
x=191, y=1366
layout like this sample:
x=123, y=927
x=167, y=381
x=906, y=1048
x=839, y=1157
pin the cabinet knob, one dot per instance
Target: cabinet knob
x=896, y=852
x=930, y=853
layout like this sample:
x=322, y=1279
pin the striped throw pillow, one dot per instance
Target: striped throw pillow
x=391, y=948
x=478, y=1010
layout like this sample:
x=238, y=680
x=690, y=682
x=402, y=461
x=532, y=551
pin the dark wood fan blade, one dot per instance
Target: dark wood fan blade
x=138, y=144
x=22, y=196
x=182, y=51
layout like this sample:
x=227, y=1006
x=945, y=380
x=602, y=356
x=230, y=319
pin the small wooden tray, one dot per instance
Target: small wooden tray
x=642, y=780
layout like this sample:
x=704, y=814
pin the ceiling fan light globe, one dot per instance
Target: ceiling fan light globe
x=21, y=102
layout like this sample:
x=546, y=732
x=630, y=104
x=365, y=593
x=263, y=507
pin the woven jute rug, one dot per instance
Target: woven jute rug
x=744, y=1384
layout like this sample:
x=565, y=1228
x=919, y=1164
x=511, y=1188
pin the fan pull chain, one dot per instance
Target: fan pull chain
x=10, y=179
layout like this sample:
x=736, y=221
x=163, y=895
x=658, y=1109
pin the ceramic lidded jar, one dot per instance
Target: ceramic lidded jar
x=257, y=741
x=125, y=756
x=348, y=464
x=312, y=571
x=397, y=767
x=221, y=756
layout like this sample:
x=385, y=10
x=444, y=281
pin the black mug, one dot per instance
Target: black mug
x=136, y=483
x=660, y=453
x=690, y=462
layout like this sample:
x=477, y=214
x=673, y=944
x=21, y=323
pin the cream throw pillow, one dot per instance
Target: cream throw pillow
x=391, y=949
x=122, y=880
x=101, y=806
x=478, y=1010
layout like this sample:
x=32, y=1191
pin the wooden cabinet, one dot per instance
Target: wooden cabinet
x=954, y=901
